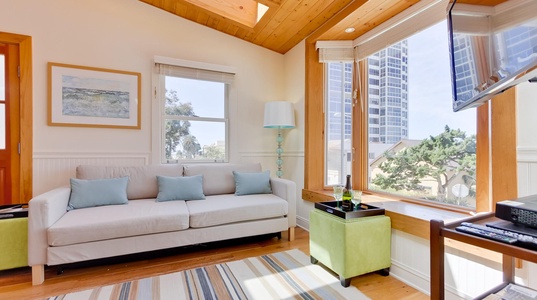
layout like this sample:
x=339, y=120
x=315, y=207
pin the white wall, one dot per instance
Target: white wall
x=295, y=85
x=527, y=155
x=526, y=138
x=126, y=35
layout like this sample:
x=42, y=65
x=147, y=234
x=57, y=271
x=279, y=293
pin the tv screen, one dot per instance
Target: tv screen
x=492, y=48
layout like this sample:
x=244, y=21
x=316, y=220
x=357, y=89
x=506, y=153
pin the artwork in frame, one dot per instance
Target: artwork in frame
x=93, y=97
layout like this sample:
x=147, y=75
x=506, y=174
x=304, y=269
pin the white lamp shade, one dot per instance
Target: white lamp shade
x=279, y=114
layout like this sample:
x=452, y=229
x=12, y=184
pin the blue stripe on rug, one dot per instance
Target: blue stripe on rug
x=125, y=289
x=281, y=271
x=205, y=284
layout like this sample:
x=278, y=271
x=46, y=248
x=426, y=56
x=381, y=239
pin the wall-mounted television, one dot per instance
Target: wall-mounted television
x=492, y=49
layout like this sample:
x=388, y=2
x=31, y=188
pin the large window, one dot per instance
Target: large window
x=193, y=113
x=338, y=121
x=423, y=149
x=417, y=146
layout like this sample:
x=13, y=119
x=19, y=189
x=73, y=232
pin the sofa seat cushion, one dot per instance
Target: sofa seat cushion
x=138, y=217
x=228, y=208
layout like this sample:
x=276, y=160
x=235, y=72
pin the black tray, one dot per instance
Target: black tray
x=364, y=210
x=13, y=211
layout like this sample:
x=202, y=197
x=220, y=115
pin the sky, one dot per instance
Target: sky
x=430, y=89
x=207, y=100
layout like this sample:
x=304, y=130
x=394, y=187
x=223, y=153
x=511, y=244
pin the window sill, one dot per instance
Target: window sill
x=411, y=218
x=408, y=217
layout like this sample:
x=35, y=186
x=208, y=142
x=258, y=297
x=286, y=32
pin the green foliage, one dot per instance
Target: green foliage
x=213, y=152
x=441, y=158
x=178, y=131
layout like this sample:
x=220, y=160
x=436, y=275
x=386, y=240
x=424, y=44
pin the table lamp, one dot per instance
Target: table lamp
x=279, y=115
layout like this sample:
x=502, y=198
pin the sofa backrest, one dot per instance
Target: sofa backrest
x=218, y=177
x=142, y=179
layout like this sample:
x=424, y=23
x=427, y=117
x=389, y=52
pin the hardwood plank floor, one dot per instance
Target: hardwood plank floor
x=16, y=283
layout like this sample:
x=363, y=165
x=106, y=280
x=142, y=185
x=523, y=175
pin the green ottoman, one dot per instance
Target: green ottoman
x=350, y=247
x=14, y=245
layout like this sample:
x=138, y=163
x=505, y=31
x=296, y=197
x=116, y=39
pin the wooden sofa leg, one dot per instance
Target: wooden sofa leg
x=38, y=274
x=291, y=233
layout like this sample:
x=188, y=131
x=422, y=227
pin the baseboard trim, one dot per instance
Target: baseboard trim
x=303, y=223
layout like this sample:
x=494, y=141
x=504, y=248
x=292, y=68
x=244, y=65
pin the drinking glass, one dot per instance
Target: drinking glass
x=356, y=198
x=338, y=193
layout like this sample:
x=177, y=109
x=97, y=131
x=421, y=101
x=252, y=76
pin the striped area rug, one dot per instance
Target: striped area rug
x=282, y=275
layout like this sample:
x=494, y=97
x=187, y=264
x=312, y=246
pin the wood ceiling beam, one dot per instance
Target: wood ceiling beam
x=271, y=3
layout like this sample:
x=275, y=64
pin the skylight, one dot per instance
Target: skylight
x=245, y=12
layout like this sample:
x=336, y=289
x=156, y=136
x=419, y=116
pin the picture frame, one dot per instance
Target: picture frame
x=93, y=97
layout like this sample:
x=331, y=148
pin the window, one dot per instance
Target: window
x=431, y=151
x=338, y=122
x=193, y=113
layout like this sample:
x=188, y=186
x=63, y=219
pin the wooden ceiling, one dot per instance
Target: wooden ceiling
x=287, y=22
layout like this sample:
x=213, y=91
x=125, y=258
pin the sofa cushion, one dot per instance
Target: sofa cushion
x=225, y=209
x=247, y=183
x=180, y=188
x=138, y=217
x=142, y=179
x=218, y=177
x=97, y=192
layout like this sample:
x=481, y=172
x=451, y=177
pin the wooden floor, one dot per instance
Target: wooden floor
x=16, y=284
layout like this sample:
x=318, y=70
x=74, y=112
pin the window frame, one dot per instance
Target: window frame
x=496, y=174
x=498, y=116
x=158, y=107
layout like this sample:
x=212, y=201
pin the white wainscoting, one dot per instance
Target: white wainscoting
x=52, y=170
x=527, y=185
x=527, y=171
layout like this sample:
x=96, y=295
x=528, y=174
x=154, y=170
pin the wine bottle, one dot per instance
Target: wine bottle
x=347, y=196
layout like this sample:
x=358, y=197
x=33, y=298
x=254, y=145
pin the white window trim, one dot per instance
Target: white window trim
x=157, y=135
x=194, y=64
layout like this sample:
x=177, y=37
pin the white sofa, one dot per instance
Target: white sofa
x=58, y=236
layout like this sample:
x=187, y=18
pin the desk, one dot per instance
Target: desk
x=439, y=231
x=350, y=247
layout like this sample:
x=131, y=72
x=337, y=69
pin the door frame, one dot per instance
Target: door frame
x=26, y=120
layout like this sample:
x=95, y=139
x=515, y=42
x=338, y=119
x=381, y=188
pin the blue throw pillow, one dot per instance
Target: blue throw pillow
x=180, y=188
x=97, y=192
x=247, y=183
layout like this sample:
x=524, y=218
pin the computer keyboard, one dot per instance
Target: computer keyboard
x=500, y=235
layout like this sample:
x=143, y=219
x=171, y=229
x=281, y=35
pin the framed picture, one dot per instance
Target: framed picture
x=93, y=97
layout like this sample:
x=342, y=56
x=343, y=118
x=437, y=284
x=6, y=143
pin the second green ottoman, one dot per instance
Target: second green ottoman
x=350, y=247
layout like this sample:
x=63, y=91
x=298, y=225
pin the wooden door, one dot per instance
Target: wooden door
x=9, y=124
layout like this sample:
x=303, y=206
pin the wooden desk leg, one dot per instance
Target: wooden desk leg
x=508, y=266
x=437, y=260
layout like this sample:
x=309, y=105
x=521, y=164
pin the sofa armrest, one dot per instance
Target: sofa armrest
x=43, y=211
x=286, y=189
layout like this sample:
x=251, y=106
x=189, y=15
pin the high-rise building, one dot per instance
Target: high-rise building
x=339, y=87
x=388, y=94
